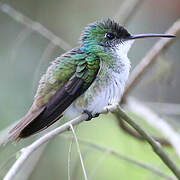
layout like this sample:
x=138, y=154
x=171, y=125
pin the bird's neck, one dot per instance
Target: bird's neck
x=115, y=64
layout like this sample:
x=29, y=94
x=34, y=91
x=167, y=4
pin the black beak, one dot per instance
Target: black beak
x=141, y=36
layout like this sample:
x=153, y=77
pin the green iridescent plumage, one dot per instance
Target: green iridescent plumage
x=69, y=76
x=70, y=68
x=87, y=78
x=73, y=63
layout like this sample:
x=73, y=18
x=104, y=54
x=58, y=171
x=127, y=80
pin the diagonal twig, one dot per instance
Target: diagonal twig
x=132, y=132
x=156, y=121
x=155, y=146
x=35, y=26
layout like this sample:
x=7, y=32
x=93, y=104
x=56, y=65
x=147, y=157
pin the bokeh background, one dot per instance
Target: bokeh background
x=25, y=55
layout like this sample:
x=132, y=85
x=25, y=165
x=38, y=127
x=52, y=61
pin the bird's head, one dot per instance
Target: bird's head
x=109, y=35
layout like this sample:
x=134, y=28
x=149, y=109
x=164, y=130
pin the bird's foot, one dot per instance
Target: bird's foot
x=90, y=115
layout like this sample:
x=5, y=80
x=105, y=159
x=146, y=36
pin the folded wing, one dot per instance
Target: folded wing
x=47, y=109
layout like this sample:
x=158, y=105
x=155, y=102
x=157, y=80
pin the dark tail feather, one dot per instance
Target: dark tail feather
x=37, y=126
x=54, y=108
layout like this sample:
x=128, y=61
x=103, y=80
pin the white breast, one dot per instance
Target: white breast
x=111, y=91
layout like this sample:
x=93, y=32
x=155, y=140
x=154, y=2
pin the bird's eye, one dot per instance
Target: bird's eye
x=109, y=36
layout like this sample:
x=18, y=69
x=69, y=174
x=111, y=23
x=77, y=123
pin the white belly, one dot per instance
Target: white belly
x=107, y=94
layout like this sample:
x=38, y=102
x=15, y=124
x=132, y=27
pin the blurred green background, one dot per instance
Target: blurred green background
x=24, y=57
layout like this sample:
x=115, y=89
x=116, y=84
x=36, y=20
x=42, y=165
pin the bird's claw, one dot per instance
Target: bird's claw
x=90, y=116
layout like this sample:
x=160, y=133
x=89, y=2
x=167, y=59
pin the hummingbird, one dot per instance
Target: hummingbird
x=84, y=79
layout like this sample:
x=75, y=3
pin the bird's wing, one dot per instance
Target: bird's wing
x=66, y=79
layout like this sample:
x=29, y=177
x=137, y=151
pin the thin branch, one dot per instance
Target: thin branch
x=126, y=10
x=79, y=152
x=155, y=121
x=155, y=146
x=128, y=159
x=149, y=59
x=32, y=163
x=132, y=132
x=26, y=152
x=35, y=26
